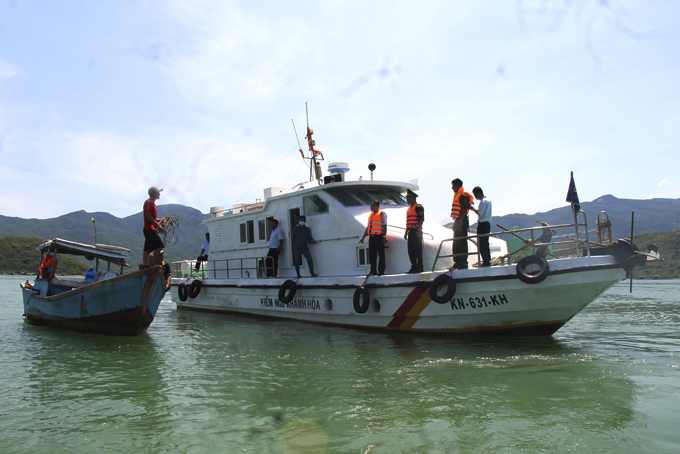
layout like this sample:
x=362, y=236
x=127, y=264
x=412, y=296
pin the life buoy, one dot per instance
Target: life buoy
x=439, y=281
x=361, y=300
x=287, y=291
x=532, y=269
x=195, y=288
x=183, y=292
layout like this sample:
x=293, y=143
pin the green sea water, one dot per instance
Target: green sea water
x=609, y=381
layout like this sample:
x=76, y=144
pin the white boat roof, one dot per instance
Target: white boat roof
x=114, y=254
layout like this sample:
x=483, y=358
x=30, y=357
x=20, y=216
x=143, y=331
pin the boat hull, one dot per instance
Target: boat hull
x=486, y=301
x=122, y=306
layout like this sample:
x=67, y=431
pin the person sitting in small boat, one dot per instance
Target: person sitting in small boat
x=48, y=266
x=167, y=272
x=205, y=250
x=300, y=237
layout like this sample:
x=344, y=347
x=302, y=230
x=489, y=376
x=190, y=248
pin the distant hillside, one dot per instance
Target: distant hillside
x=18, y=255
x=655, y=215
x=126, y=232
x=669, y=247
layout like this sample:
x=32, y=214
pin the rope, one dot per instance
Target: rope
x=169, y=224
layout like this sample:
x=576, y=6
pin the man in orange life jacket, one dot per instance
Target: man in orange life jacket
x=48, y=266
x=415, y=215
x=461, y=223
x=376, y=231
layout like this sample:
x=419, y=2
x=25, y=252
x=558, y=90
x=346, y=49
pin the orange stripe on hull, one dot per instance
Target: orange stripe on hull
x=409, y=312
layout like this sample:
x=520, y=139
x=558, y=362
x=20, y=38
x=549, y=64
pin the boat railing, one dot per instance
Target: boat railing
x=540, y=239
x=234, y=210
x=402, y=230
x=236, y=268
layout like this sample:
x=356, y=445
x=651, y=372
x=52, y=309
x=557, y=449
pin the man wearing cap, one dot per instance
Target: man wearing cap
x=152, y=242
x=415, y=215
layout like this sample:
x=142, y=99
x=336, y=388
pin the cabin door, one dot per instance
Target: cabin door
x=293, y=215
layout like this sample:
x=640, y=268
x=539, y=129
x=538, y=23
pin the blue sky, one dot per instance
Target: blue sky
x=101, y=99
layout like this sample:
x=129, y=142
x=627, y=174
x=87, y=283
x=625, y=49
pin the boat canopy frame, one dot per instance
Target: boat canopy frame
x=111, y=254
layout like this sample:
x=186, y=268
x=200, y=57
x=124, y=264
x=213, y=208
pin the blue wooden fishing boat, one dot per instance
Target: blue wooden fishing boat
x=102, y=303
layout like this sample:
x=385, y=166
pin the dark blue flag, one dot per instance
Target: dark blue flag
x=572, y=195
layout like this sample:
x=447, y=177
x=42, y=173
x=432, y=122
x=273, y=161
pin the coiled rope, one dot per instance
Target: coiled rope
x=169, y=224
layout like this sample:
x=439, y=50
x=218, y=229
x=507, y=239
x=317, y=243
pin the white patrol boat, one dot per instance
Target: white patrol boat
x=532, y=296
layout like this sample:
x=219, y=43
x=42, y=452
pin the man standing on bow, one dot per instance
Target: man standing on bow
x=462, y=201
x=151, y=229
x=415, y=215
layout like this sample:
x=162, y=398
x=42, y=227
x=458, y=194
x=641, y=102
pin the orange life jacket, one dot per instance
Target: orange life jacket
x=375, y=225
x=47, y=263
x=412, y=216
x=457, y=209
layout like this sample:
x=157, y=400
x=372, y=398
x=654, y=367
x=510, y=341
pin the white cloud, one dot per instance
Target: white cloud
x=8, y=70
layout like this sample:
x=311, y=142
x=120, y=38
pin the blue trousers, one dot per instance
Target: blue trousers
x=297, y=257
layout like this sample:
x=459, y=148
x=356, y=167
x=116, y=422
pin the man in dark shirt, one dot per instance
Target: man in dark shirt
x=300, y=236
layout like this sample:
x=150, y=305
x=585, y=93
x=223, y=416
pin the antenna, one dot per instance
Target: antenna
x=371, y=167
x=314, y=154
x=95, y=231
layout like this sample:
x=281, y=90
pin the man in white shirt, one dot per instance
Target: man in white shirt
x=205, y=250
x=483, y=225
x=275, y=244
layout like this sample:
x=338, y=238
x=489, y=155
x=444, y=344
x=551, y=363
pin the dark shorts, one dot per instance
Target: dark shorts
x=152, y=241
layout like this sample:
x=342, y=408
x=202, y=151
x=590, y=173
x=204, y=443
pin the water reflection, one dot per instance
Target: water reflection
x=201, y=382
x=380, y=389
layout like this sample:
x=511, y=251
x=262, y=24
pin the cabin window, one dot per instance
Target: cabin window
x=247, y=232
x=362, y=257
x=344, y=197
x=261, y=230
x=264, y=229
x=314, y=205
x=351, y=197
x=386, y=196
x=268, y=227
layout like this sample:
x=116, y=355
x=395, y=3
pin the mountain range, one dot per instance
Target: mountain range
x=111, y=230
x=652, y=215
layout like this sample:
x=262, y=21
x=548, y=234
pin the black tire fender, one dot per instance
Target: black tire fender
x=439, y=281
x=532, y=269
x=195, y=288
x=287, y=291
x=361, y=300
x=183, y=292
